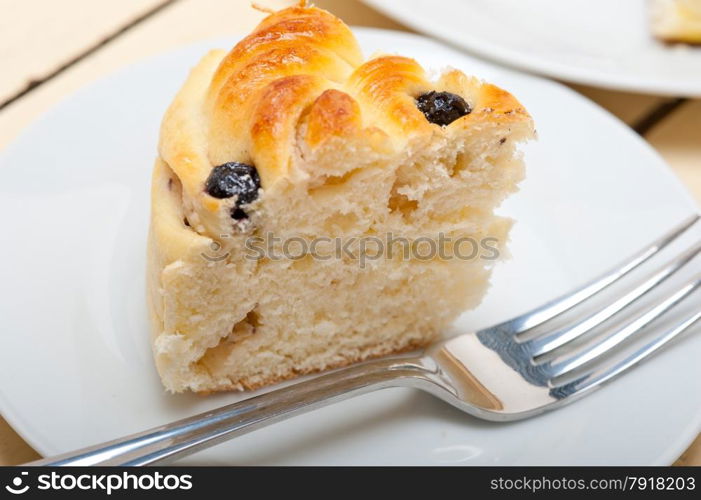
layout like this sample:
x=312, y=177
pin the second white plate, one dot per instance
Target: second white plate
x=596, y=42
x=75, y=362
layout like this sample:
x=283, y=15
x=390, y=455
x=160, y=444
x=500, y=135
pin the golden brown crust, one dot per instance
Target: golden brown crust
x=292, y=42
x=334, y=113
x=386, y=88
x=275, y=117
x=301, y=65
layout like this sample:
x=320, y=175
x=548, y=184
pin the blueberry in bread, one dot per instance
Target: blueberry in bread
x=292, y=135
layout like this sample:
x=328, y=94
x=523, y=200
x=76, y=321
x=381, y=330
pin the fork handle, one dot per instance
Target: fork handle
x=184, y=437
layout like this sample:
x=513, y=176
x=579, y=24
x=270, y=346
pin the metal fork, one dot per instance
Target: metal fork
x=506, y=372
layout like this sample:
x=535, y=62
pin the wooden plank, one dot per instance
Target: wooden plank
x=678, y=139
x=182, y=22
x=692, y=456
x=356, y=13
x=13, y=449
x=627, y=106
x=37, y=36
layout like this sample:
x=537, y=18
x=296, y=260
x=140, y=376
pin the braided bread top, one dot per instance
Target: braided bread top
x=300, y=77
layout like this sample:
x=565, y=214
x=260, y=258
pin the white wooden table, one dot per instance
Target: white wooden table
x=50, y=49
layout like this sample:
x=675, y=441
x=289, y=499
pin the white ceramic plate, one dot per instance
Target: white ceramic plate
x=596, y=42
x=75, y=364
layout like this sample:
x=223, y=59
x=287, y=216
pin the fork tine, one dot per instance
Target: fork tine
x=611, y=370
x=543, y=345
x=578, y=357
x=540, y=315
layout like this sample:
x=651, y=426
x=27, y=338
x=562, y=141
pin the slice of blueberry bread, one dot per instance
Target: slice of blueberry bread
x=311, y=209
